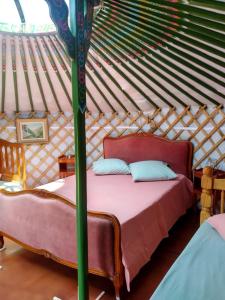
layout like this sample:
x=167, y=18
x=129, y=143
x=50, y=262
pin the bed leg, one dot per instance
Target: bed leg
x=117, y=282
x=117, y=295
x=1, y=243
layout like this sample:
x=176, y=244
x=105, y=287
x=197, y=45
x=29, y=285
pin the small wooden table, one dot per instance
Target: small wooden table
x=66, y=165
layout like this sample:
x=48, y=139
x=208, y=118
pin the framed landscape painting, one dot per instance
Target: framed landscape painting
x=32, y=130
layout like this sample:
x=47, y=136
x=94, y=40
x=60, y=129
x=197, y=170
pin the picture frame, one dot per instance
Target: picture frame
x=32, y=131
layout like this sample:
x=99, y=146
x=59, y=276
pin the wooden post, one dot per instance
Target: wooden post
x=206, y=196
x=77, y=25
x=77, y=41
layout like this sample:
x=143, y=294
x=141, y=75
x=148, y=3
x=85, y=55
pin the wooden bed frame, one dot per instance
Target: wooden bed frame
x=12, y=162
x=118, y=278
x=209, y=185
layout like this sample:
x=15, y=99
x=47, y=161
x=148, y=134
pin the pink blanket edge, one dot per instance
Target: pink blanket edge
x=218, y=223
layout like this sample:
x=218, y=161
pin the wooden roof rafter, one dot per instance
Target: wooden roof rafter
x=126, y=31
x=20, y=11
x=25, y=70
x=154, y=33
x=143, y=54
x=35, y=70
x=113, y=80
x=65, y=60
x=55, y=68
x=14, y=71
x=183, y=71
x=46, y=72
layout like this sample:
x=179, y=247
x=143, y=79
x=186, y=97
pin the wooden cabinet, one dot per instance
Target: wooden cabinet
x=66, y=165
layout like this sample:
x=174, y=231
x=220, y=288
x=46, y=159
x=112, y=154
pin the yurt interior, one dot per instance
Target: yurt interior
x=112, y=149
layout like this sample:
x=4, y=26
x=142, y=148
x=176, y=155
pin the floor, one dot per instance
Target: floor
x=27, y=276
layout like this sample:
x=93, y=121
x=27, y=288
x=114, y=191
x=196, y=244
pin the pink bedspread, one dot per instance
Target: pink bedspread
x=218, y=222
x=145, y=210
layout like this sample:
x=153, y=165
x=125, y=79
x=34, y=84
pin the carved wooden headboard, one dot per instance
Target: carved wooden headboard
x=12, y=162
x=143, y=146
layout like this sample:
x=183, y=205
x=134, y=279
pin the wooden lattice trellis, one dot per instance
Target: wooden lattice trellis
x=205, y=127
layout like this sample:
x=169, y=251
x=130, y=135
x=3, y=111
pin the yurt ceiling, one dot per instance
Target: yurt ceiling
x=144, y=54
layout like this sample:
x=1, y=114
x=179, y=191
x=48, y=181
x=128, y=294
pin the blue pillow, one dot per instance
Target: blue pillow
x=151, y=170
x=110, y=166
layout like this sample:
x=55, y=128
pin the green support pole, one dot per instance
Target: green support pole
x=77, y=42
x=77, y=10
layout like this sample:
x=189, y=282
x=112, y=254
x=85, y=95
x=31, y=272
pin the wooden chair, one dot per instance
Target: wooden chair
x=210, y=185
x=12, y=162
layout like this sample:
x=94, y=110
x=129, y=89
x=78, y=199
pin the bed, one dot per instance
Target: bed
x=199, y=271
x=125, y=224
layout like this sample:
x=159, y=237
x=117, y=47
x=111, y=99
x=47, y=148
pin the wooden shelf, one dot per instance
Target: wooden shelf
x=66, y=165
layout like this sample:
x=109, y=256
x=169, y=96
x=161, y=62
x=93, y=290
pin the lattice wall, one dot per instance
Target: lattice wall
x=204, y=127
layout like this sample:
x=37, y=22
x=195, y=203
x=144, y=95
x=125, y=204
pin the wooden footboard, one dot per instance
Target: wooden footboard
x=12, y=162
x=211, y=186
x=118, y=276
